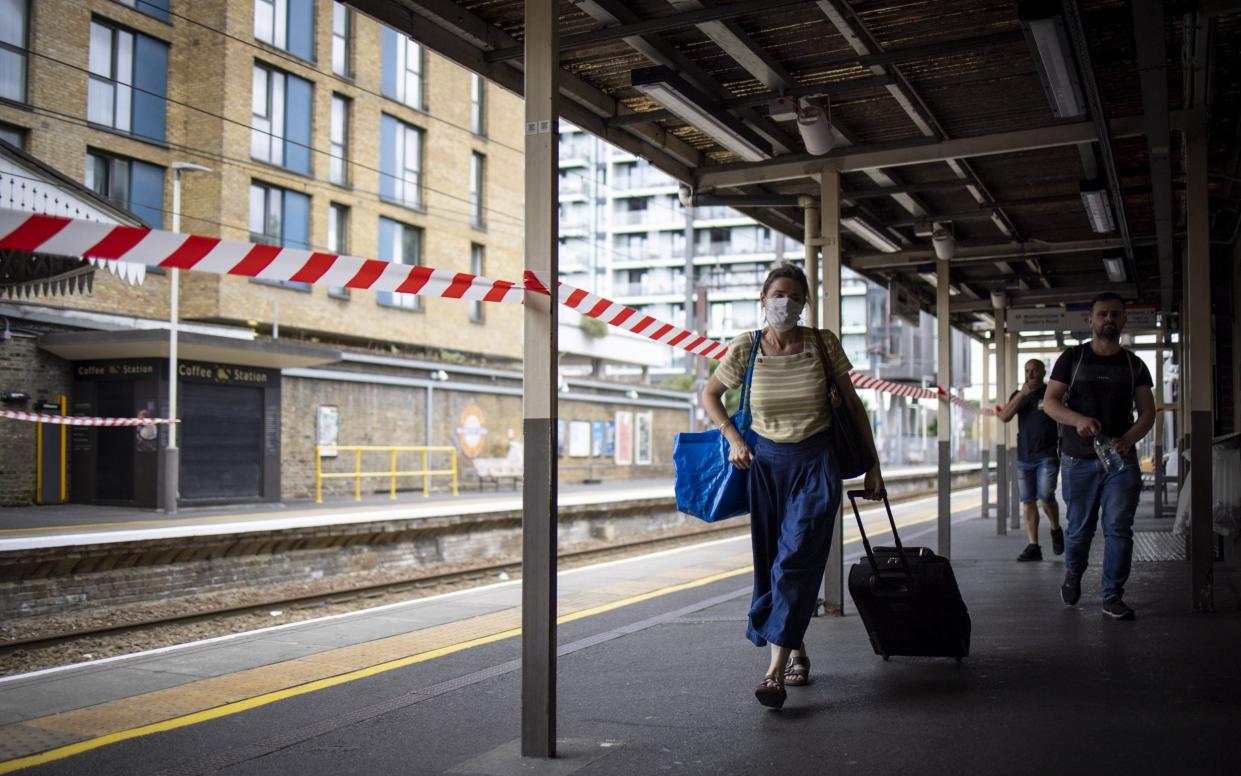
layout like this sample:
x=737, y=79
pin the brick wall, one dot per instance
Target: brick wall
x=25, y=369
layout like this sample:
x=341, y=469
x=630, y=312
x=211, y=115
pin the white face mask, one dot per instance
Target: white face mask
x=783, y=312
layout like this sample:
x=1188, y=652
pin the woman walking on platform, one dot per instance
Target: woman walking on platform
x=794, y=483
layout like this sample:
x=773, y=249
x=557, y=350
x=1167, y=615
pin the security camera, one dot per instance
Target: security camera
x=814, y=122
x=999, y=299
x=943, y=240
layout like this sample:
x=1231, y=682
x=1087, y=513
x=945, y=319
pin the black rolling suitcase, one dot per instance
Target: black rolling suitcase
x=908, y=598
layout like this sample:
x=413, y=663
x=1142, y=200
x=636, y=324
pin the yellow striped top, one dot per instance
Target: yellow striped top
x=788, y=394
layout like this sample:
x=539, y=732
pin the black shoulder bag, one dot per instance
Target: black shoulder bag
x=853, y=456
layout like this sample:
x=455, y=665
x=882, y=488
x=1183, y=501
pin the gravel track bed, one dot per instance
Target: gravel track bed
x=108, y=645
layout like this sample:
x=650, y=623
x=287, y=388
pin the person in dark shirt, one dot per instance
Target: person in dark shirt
x=1092, y=393
x=1037, y=464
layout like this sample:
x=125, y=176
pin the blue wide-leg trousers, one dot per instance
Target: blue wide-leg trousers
x=794, y=496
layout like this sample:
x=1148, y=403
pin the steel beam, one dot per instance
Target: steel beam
x=829, y=303
x=1041, y=296
x=943, y=326
x=540, y=383
x=1148, y=31
x=973, y=254
x=1196, y=362
x=1001, y=438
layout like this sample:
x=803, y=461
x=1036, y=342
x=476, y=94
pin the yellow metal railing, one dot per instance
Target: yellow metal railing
x=426, y=473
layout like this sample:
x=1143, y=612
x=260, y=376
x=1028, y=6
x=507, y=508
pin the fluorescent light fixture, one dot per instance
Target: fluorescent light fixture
x=1115, y=268
x=868, y=233
x=1098, y=207
x=1043, y=24
x=676, y=94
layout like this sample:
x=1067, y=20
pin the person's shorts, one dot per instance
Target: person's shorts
x=1037, y=479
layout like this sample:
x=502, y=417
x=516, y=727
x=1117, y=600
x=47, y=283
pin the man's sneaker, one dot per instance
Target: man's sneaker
x=1057, y=541
x=1031, y=552
x=1071, y=590
x=1117, y=610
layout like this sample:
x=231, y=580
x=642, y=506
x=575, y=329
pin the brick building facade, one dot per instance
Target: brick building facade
x=321, y=129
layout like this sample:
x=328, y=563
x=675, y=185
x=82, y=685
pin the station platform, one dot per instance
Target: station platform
x=655, y=675
x=71, y=525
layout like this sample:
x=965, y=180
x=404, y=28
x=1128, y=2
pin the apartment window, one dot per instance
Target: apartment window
x=477, y=258
x=13, y=22
x=342, y=27
x=280, y=119
x=133, y=185
x=402, y=69
x=400, y=162
x=128, y=81
x=156, y=8
x=478, y=104
x=477, y=166
x=13, y=135
x=279, y=217
x=286, y=24
x=338, y=171
x=338, y=241
x=400, y=244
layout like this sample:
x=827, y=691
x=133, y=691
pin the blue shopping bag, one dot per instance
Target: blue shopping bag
x=707, y=485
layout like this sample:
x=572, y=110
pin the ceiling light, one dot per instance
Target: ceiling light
x=673, y=92
x=1098, y=207
x=1044, y=28
x=869, y=233
x=1115, y=268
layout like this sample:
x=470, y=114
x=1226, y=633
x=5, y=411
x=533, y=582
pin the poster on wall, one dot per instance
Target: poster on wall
x=609, y=438
x=327, y=429
x=597, y=431
x=579, y=438
x=644, y=437
x=624, y=438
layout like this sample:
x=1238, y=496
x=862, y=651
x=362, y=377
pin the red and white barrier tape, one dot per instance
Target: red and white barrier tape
x=73, y=420
x=60, y=236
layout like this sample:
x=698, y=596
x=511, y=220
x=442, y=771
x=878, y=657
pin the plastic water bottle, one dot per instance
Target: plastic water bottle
x=1105, y=448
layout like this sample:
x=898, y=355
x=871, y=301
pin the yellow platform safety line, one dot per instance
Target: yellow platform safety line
x=80, y=747
x=426, y=472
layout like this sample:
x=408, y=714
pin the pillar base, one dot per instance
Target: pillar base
x=170, y=483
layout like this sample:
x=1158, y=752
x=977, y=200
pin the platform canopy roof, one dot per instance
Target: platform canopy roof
x=1013, y=121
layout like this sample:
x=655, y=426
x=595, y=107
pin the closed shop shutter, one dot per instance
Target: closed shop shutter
x=221, y=441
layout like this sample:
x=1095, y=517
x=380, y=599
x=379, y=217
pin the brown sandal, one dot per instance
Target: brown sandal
x=797, y=672
x=770, y=692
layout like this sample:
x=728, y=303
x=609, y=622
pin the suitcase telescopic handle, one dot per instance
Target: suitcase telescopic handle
x=870, y=554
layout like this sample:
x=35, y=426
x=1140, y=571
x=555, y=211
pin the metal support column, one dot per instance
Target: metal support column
x=829, y=305
x=1001, y=437
x=1196, y=362
x=943, y=326
x=984, y=428
x=1159, y=418
x=810, y=238
x=539, y=374
x=1013, y=377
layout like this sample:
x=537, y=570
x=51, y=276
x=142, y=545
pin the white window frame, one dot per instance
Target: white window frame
x=267, y=115
x=15, y=47
x=111, y=64
x=478, y=104
x=409, y=61
x=338, y=157
x=411, y=302
x=409, y=142
x=270, y=211
x=342, y=31
x=271, y=22
x=478, y=261
x=338, y=241
x=478, y=171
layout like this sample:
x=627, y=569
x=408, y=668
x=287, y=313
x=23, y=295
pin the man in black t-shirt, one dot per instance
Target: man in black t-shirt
x=1037, y=463
x=1093, y=391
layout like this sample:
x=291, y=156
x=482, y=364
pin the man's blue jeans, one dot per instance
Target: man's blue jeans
x=1088, y=491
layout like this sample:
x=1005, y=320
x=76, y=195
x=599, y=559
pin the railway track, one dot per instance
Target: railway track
x=358, y=593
